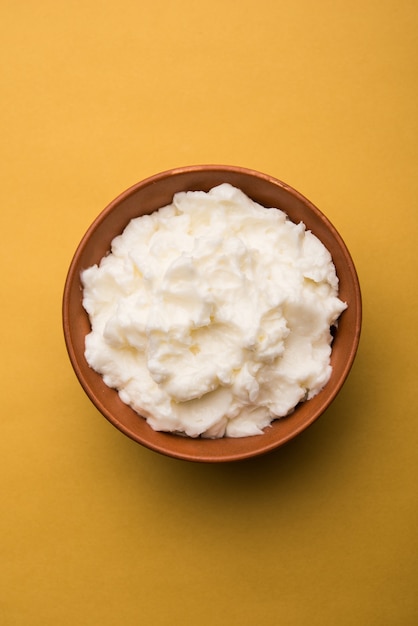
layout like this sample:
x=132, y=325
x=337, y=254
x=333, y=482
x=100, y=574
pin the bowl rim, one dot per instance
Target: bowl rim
x=162, y=443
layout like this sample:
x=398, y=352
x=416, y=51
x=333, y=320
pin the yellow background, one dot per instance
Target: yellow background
x=95, y=96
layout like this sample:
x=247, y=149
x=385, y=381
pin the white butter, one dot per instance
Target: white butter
x=212, y=315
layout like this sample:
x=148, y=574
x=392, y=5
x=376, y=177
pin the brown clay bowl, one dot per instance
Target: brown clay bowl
x=151, y=194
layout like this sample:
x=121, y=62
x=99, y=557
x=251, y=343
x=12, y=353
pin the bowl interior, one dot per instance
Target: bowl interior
x=151, y=194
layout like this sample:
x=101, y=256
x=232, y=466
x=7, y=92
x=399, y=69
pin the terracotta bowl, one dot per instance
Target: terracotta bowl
x=151, y=194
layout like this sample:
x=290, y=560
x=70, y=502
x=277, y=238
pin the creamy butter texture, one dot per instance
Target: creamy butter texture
x=212, y=315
